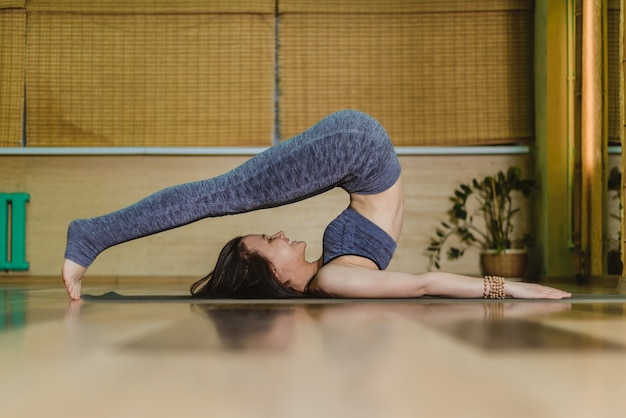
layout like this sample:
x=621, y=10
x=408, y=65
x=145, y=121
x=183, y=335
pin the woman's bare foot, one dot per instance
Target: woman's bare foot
x=72, y=274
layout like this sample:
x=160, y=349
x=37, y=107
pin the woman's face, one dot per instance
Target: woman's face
x=281, y=252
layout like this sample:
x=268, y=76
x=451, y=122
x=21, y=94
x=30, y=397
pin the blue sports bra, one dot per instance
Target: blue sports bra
x=353, y=234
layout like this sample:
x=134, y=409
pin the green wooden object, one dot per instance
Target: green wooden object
x=13, y=231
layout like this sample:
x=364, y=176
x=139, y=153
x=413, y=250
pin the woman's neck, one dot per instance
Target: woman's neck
x=310, y=284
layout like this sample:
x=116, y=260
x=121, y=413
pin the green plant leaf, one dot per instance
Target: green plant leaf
x=460, y=194
x=454, y=253
x=459, y=212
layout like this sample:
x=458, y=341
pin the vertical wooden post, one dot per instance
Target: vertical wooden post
x=553, y=160
x=593, y=144
x=622, y=98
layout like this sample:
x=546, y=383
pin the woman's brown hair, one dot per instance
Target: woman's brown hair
x=240, y=274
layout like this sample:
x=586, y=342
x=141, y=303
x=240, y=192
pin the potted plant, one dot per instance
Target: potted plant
x=490, y=200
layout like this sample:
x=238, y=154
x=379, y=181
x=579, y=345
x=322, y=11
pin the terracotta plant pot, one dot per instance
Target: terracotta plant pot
x=511, y=264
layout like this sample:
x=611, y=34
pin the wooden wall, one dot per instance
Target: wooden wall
x=63, y=188
x=248, y=72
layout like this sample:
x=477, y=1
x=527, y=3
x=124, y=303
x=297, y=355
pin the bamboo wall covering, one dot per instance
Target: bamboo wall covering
x=400, y=6
x=150, y=79
x=242, y=72
x=613, y=72
x=152, y=6
x=12, y=50
x=7, y=4
x=433, y=77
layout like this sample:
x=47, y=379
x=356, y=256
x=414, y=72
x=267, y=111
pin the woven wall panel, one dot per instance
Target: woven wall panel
x=153, y=6
x=614, y=70
x=7, y=4
x=12, y=51
x=150, y=80
x=431, y=79
x=399, y=6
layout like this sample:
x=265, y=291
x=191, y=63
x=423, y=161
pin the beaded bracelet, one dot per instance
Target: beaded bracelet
x=493, y=287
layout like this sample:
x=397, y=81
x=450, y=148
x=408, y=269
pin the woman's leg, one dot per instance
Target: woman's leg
x=345, y=149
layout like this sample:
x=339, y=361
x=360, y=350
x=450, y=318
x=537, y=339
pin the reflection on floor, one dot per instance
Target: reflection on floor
x=432, y=358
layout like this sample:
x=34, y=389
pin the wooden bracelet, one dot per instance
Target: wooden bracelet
x=493, y=287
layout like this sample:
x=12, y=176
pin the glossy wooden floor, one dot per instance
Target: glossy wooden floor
x=132, y=357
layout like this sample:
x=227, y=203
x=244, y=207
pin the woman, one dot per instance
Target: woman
x=347, y=149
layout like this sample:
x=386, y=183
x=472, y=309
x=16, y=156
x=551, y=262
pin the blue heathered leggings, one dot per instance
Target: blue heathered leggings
x=347, y=149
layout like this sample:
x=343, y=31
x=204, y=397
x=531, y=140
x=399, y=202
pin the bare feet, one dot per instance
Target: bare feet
x=72, y=275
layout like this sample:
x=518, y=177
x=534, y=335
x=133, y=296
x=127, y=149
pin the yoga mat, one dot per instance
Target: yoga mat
x=114, y=297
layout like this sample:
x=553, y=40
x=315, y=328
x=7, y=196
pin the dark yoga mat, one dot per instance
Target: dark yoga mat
x=115, y=297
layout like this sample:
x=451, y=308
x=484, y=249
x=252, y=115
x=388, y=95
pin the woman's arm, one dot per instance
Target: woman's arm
x=359, y=282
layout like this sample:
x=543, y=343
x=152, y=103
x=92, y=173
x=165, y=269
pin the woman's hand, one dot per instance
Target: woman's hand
x=521, y=290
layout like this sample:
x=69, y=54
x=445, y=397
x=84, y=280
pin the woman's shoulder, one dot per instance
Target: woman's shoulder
x=328, y=279
x=341, y=274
